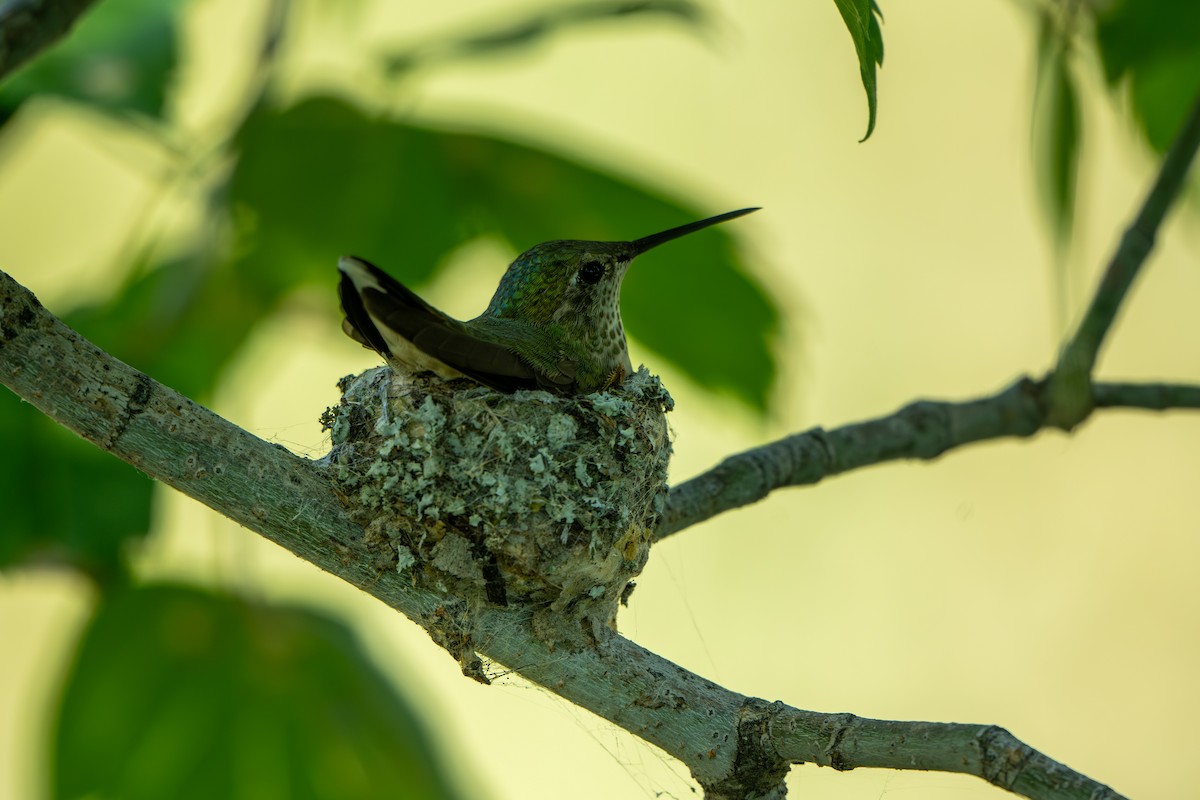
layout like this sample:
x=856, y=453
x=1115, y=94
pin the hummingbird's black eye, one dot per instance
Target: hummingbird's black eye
x=591, y=272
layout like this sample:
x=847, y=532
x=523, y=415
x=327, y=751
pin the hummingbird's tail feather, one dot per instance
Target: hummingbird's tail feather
x=388, y=317
x=357, y=323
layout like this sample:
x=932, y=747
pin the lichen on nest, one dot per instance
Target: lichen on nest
x=525, y=498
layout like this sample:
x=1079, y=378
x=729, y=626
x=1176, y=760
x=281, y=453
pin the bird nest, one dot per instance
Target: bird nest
x=526, y=498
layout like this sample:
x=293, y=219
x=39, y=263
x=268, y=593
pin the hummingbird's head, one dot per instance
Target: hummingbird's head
x=552, y=281
x=578, y=283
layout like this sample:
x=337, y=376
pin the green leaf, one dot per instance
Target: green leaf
x=1056, y=130
x=120, y=57
x=68, y=501
x=1155, y=44
x=1161, y=92
x=862, y=20
x=65, y=501
x=181, y=693
x=322, y=179
x=181, y=321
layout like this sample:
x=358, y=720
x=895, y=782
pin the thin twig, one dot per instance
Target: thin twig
x=735, y=746
x=1069, y=395
x=922, y=430
x=925, y=430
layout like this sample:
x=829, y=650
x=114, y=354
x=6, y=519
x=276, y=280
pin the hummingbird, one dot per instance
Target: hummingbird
x=554, y=322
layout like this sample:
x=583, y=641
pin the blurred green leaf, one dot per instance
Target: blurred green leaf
x=1156, y=45
x=181, y=321
x=119, y=57
x=1056, y=129
x=1161, y=93
x=66, y=500
x=323, y=179
x=69, y=501
x=180, y=693
x=862, y=20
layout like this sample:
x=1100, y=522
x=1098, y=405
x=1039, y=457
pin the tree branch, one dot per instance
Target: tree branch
x=1068, y=393
x=735, y=746
x=922, y=430
x=927, y=429
x=29, y=26
x=986, y=751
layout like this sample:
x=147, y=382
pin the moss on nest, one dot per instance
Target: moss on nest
x=525, y=498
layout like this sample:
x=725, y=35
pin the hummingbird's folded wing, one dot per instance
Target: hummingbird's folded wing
x=386, y=316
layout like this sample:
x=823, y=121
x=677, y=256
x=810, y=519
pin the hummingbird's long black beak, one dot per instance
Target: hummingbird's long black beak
x=655, y=239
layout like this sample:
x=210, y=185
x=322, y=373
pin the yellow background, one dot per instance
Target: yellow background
x=1047, y=586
